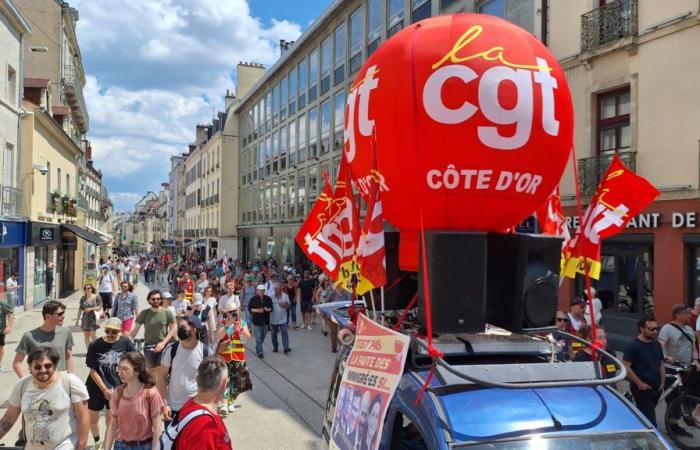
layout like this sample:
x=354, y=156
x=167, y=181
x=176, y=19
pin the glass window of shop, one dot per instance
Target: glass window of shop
x=287, y=250
x=340, y=49
x=325, y=126
x=9, y=263
x=374, y=25
x=261, y=201
x=626, y=279
x=326, y=56
x=695, y=273
x=356, y=25
x=394, y=16
x=302, y=138
x=313, y=132
x=270, y=247
x=339, y=120
x=313, y=75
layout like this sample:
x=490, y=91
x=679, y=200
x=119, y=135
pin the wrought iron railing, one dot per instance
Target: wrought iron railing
x=613, y=21
x=11, y=200
x=73, y=80
x=592, y=169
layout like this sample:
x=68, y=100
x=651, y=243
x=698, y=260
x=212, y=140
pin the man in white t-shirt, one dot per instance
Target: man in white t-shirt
x=181, y=304
x=53, y=404
x=189, y=353
x=597, y=307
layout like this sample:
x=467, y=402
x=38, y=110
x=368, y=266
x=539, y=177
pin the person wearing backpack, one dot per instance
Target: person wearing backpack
x=207, y=315
x=181, y=359
x=53, y=404
x=197, y=426
x=135, y=407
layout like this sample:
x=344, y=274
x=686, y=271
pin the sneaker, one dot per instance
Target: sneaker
x=274, y=350
x=231, y=407
x=260, y=355
x=309, y=328
x=287, y=350
x=679, y=431
x=223, y=410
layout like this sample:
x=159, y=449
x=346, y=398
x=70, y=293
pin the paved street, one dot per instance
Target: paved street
x=284, y=410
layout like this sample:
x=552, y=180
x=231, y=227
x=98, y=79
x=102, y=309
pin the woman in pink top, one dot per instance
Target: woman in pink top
x=136, y=404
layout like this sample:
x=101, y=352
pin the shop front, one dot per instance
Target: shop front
x=45, y=242
x=13, y=240
x=645, y=270
x=261, y=243
x=91, y=244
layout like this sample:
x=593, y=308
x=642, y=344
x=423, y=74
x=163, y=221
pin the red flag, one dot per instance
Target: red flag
x=318, y=238
x=551, y=219
x=344, y=213
x=371, y=255
x=620, y=196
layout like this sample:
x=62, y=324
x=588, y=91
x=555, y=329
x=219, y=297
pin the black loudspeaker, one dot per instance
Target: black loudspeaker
x=523, y=280
x=401, y=286
x=457, y=264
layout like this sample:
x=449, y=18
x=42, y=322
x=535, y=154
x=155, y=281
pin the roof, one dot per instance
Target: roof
x=36, y=82
x=15, y=16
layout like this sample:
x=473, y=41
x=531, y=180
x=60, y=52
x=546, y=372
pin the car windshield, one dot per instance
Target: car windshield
x=605, y=441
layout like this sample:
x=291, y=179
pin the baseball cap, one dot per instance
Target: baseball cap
x=261, y=287
x=113, y=323
x=679, y=308
x=167, y=294
x=249, y=277
x=194, y=321
x=578, y=301
x=198, y=300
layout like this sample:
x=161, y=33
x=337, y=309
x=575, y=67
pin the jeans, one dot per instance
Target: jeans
x=285, y=336
x=260, y=331
x=646, y=402
x=120, y=445
x=293, y=312
x=127, y=276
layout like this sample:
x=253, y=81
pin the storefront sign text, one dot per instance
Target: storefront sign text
x=651, y=220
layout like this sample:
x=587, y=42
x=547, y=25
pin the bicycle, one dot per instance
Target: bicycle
x=680, y=425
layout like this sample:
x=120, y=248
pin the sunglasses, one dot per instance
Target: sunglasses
x=60, y=314
x=653, y=328
x=47, y=366
x=112, y=332
x=562, y=319
x=155, y=298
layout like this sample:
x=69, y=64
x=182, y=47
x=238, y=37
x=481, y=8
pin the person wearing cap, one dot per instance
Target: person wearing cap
x=231, y=350
x=207, y=314
x=260, y=307
x=182, y=358
x=167, y=302
x=577, y=315
x=102, y=359
x=230, y=296
x=278, y=319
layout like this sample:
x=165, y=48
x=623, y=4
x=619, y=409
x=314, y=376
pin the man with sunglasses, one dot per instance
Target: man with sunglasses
x=643, y=360
x=563, y=341
x=102, y=359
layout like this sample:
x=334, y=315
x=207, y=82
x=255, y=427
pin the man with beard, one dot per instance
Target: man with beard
x=102, y=359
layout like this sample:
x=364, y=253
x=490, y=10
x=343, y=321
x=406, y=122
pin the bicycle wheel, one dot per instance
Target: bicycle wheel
x=679, y=422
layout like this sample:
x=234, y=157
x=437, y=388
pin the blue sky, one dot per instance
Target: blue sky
x=156, y=68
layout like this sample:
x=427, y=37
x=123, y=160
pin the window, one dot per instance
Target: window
x=283, y=147
x=313, y=183
x=58, y=177
x=613, y=125
x=444, y=4
x=325, y=126
x=275, y=104
x=292, y=186
x=356, y=22
x=48, y=178
x=283, y=196
x=292, y=92
x=12, y=86
x=339, y=73
x=293, y=144
x=283, y=99
x=301, y=73
x=394, y=13
x=68, y=184
x=520, y=12
x=268, y=155
x=313, y=75
x=302, y=138
x=374, y=25
x=275, y=150
x=313, y=133
x=268, y=111
x=339, y=119
x=301, y=194
x=326, y=56
x=420, y=9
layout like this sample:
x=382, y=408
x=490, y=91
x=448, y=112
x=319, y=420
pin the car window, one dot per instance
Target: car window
x=606, y=441
x=406, y=435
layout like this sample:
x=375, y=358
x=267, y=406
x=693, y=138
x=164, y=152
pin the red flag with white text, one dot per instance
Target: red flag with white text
x=621, y=195
x=551, y=219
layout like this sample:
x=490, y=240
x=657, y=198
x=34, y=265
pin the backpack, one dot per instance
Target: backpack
x=173, y=350
x=168, y=439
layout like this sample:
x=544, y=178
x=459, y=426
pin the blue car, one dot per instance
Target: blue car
x=503, y=391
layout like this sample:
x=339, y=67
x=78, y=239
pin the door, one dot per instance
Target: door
x=68, y=273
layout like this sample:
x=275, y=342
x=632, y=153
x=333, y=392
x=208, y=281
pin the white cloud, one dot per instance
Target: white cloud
x=155, y=69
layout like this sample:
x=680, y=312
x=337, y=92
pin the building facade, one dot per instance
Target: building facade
x=14, y=30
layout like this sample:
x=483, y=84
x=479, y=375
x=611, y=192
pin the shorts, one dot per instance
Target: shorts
x=306, y=306
x=127, y=324
x=2, y=339
x=97, y=400
x=106, y=301
x=152, y=358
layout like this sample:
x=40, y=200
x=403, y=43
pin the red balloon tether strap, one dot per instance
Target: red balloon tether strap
x=409, y=307
x=587, y=275
x=434, y=353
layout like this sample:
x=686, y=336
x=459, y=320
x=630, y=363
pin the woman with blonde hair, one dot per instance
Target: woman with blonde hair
x=135, y=407
x=90, y=307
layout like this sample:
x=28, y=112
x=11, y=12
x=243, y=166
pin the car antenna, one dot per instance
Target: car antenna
x=557, y=424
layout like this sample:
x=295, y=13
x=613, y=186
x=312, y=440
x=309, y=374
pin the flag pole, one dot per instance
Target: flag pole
x=374, y=307
x=382, y=304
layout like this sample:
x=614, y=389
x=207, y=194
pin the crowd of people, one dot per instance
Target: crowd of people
x=187, y=369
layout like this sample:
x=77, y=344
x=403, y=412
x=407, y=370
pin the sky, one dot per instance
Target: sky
x=156, y=68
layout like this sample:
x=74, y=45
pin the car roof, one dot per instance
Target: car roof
x=495, y=413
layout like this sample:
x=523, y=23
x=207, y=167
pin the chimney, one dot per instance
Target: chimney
x=285, y=46
x=201, y=134
x=247, y=74
x=191, y=148
x=228, y=100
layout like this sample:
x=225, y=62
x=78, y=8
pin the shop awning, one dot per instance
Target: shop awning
x=84, y=234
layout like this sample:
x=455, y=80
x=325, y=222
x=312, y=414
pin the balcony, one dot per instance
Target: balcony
x=609, y=23
x=74, y=94
x=11, y=199
x=592, y=169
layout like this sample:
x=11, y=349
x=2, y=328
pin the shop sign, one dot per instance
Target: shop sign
x=46, y=234
x=686, y=219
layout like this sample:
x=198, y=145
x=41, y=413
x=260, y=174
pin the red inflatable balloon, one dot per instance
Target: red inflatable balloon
x=473, y=123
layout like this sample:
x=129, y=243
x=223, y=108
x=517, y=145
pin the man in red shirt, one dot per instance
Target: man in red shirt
x=206, y=431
